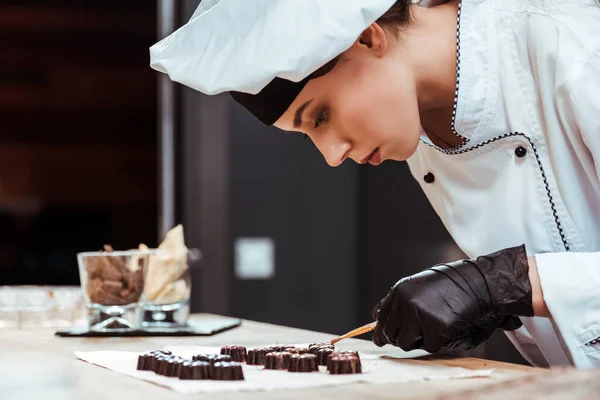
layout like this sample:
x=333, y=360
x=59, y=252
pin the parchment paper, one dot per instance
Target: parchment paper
x=376, y=370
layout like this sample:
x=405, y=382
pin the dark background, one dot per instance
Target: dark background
x=78, y=149
x=79, y=162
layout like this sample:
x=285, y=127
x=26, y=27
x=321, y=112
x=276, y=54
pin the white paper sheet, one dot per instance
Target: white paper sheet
x=376, y=370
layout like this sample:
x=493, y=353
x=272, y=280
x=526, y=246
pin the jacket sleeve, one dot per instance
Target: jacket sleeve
x=571, y=281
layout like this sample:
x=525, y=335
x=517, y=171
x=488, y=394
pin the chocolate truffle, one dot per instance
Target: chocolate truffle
x=155, y=360
x=323, y=355
x=346, y=353
x=144, y=362
x=194, y=370
x=215, y=358
x=315, y=347
x=280, y=347
x=173, y=366
x=344, y=364
x=296, y=350
x=237, y=353
x=201, y=357
x=257, y=356
x=303, y=363
x=277, y=360
x=160, y=364
x=227, y=371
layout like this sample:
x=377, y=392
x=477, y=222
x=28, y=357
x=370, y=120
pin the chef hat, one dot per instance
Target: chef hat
x=262, y=51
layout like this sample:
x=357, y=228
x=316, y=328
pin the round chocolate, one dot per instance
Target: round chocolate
x=144, y=362
x=315, y=347
x=215, y=358
x=237, y=353
x=155, y=356
x=227, y=371
x=257, y=356
x=296, y=350
x=323, y=355
x=303, y=363
x=346, y=353
x=201, y=357
x=344, y=364
x=160, y=364
x=194, y=370
x=173, y=366
x=277, y=360
x=279, y=348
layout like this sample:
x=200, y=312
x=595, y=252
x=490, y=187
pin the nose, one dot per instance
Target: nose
x=334, y=149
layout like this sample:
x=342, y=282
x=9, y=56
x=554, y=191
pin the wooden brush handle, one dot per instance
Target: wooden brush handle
x=356, y=332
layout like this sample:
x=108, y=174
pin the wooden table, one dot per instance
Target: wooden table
x=35, y=364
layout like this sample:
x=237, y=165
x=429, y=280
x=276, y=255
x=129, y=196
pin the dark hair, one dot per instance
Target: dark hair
x=396, y=18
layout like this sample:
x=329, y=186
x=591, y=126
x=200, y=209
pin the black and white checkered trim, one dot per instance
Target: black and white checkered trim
x=539, y=162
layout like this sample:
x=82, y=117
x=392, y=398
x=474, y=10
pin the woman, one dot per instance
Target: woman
x=498, y=117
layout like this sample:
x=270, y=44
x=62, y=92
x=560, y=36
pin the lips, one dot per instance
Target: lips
x=374, y=158
x=368, y=158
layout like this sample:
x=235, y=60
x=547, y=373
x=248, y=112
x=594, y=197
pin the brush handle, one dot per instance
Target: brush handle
x=356, y=332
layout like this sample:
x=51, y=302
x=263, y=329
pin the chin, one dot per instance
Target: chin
x=404, y=151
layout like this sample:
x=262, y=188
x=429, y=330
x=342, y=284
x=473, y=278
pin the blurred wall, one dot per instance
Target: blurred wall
x=77, y=133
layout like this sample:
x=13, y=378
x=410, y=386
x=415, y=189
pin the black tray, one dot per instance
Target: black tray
x=192, y=328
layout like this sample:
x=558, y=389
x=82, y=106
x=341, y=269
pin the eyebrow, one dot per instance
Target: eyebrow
x=299, y=111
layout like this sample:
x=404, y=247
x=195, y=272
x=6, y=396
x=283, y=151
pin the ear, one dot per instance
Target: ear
x=373, y=39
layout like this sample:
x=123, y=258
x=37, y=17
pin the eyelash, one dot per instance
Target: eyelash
x=323, y=118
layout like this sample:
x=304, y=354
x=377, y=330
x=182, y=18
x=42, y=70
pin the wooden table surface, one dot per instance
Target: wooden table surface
x=35, y=364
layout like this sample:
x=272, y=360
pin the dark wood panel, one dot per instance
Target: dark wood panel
x=110, y=22
x=78, y=139
x=91, y=126
x=79, y=174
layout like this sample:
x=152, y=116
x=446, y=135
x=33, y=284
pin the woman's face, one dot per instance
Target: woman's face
x=364, y=109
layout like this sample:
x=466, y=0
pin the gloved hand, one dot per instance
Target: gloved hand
x=456, y=306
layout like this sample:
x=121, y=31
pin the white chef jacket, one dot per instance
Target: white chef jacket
x=528, y=107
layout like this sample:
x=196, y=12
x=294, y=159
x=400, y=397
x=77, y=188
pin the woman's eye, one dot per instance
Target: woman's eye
x=321, y=119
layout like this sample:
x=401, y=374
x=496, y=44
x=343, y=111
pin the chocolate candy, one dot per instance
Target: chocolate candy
x=227, y=371
x=201, y=357
x=315, y=347
x=215, y=358
x=237, y=353
x=323, y=355
x=257, y=356
x=195, y=370
x=154, y=360
x=173, y=366
x=296, y=350
x=280, y=347
x=277, y=360
x=160, y=364
x=346, y=353
x=303, y=363
x=143, y=363
x=344, y=364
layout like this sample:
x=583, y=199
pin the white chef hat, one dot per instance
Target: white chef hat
x=262, y=51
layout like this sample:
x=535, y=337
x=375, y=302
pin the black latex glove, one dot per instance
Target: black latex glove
x=456, y=306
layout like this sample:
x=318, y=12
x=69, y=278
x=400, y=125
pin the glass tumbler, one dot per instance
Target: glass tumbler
x=168, y=288
x=113, y=285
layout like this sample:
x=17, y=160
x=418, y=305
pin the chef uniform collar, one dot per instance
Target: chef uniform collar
x=262, y=52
